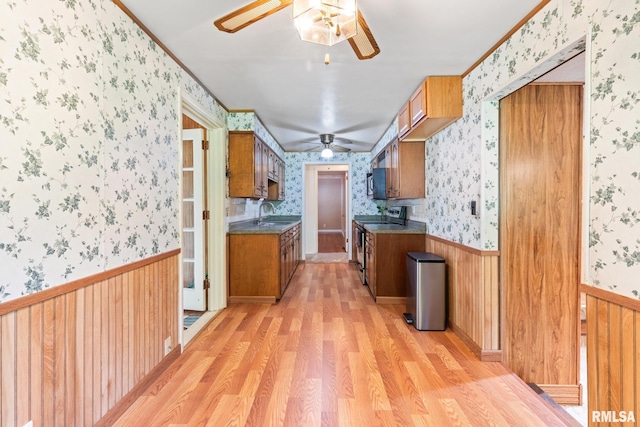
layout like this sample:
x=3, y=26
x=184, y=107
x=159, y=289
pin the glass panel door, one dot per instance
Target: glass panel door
x=192, y=220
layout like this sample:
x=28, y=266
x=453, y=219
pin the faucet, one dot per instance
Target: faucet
x=273, y=209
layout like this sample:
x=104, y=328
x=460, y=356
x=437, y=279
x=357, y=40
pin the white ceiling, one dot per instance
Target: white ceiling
x=266, y=67
x=570, y=71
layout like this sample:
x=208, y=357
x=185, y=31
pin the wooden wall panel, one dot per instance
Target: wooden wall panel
x=540, y=155
x=189, y=123
x=69, y=359
x=613, y=356
x=473, y=298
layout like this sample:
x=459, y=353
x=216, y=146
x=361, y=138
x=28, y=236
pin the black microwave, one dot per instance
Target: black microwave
x=377, y=184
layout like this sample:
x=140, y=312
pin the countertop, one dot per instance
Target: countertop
x=374, y=225
x=274, y=224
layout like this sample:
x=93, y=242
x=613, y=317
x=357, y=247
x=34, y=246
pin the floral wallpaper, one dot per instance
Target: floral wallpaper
x=614, y=218
x=462, y=160
x=390, y=134
x=250, y=121
x=89, y=126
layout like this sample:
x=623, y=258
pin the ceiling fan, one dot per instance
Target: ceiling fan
x=327, y=142
x=362, y=43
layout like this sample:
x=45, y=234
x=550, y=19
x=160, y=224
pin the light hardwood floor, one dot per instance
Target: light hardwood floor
x=330, y=242
x=326, y=354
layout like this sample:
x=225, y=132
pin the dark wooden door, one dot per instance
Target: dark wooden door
x=540, y=140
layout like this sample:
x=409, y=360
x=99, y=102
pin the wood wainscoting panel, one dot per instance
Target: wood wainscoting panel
x=613, y=355
x=69, y=359
x=473, y=298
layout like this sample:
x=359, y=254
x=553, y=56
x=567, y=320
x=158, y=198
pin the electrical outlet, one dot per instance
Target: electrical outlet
x=29, y=424
x=167, y=346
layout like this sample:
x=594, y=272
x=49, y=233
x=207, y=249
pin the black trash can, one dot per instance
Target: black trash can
x=426, y=291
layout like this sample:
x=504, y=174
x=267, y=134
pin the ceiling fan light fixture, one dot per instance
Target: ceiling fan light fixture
x=326, y=153
x=325, y=22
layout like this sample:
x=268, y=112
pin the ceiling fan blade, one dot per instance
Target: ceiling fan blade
x=253, y=12
x=337, y=147
x=363, y=43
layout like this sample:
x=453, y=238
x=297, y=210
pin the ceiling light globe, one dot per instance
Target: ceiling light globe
x=325, y=22
x=326, y=153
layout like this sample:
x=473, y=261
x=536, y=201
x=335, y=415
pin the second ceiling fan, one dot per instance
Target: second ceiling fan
x=323, y=15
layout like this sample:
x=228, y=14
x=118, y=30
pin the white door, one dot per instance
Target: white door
x=193, y=238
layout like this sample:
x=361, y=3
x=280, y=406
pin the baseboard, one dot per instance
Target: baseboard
x=482, y=354
x=392, y=300
x=121, y=407
x=554, y=406
x=564, y=394
x=251, y=300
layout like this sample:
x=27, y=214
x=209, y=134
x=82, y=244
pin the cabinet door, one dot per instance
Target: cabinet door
x=395, y=169
x=370, y=260
x=272, y=166
x=418, y=105
x=257, y=167
x=281, y=180
x=404, y=120
x=283, y=266
x=390, y=183
x=265, y=169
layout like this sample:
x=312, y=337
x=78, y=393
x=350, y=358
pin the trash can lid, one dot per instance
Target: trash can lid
x=424, y=257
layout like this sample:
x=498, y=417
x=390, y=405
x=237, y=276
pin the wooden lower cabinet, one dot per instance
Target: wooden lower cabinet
x=261, y=265
x=386, y=262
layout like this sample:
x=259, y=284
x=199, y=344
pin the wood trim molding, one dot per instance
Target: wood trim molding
x=38, y=297
x=392, y=300
x=609, y=296
x=516, y=27
x=121, y=407
x=564, y=394
x=135, y=19
x=482, y=355
x=251, y=300
x=463, y=247
x=535, y=83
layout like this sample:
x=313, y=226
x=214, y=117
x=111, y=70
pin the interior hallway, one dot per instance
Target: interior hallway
x=332, y=242
x=326, y=354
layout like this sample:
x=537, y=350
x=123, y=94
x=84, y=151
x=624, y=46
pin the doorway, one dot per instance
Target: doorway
x=540, y=220
x=202, y=219
x=332, y=212
x=326, y=213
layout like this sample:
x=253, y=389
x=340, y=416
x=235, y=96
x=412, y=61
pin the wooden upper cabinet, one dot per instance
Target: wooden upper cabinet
x=390, y=181
x=404, y=120
x=435, y=104
x=247, y=165
x=273, y=166
x=405, y=169
x=258, y=170
x=281, y=180
x=394, y=170
x=409, y=159
x=255, y=170
x=418, y=105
